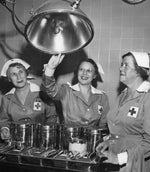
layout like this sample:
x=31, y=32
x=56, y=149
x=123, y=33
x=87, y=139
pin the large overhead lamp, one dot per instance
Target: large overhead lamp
x=57, y=26
x=133, y=2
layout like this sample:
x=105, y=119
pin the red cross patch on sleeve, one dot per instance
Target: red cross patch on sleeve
x=133, y=111
x=37, y=106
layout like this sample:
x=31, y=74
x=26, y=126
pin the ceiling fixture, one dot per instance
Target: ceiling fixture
x=55, y=27
x=133, y=2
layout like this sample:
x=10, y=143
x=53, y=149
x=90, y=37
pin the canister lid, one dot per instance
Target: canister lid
x=96, y=131
x=46, y=127
x=72, y=129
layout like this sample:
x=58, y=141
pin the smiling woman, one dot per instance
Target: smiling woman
x=83, y=104
x=129, y=121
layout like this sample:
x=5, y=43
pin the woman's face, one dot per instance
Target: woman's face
x=86, y=73
x=127, y=71
x=18, y=76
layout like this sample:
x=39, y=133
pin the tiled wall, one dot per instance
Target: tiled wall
x=118, y=28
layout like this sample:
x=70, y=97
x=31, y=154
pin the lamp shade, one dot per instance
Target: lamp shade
x=133, y=2
x=58, y=27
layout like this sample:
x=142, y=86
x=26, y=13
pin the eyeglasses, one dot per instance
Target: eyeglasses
x=126, y=66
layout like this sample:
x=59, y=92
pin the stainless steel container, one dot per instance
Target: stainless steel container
x=95, y=137
x=21, y=135
x=76, y=140
x=37, y=136
x=60, y=137
x=49, y=134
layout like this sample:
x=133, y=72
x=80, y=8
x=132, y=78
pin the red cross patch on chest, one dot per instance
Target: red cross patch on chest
x=100, y=109
x=37, y=106
x=133, y=111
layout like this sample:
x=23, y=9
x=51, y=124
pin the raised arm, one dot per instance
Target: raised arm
x=49, y=83
x=52, y=64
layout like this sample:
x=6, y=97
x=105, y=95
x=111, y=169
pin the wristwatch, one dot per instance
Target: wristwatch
x=134, y=1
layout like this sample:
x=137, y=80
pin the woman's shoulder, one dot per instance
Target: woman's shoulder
x=10, y=92
x=1, y=96
x=5, y=99
x=97, y=91
x=104, y=95
x=34, y=87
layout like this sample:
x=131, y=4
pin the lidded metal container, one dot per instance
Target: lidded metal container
x=21, y=134
x=44, y=136
x=95, y=137
x=76, y=139
x=60, y=137
x=49, y=136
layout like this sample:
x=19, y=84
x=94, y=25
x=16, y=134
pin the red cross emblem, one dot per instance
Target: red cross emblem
x=133, y=111
x=37, y=105
x=100, y=109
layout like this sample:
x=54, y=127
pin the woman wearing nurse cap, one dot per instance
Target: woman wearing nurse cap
x=13, y=61
x=20, y=103
x=128, y=144
x=82, y=103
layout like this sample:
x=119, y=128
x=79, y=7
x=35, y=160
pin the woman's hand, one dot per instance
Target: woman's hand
x=111, y=158
x=5, y=133
x=54, y=61
x=102, y=148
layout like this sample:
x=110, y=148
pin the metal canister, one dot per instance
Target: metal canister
x=37, y=136
x=95, y=137
x=21, y=135
x=48, y=136
x=77, y=140
x=45, y=136
x=60, y=137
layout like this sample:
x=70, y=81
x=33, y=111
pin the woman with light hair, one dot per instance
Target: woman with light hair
x=24, y=101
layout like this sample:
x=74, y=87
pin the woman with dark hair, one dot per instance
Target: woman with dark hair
x=82, y=103
x=128, y=144
x=97, y=73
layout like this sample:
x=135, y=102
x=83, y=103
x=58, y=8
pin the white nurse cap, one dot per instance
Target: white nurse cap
x=142, y=59
x=15, y=60
x=100, y=68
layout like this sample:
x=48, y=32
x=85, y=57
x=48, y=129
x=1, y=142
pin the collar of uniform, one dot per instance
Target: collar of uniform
x=33, y=88
x=77, y=88
x=144, y=87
